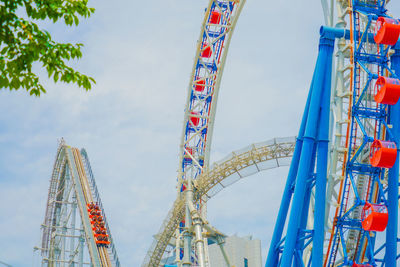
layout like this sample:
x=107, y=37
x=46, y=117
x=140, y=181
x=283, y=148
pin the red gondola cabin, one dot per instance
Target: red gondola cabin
x=206, y=51
x=388, y=90
x=374, y=217
x=194, y=120
x=199, y=87
x=383, y=154
x=186, y=157
x=189, y=151
x=387, y=31
x=215, y=17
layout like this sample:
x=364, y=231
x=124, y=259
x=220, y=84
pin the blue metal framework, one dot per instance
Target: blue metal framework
x=218, y=25
x=308, y=170
x=369, y=121
x=202, y=88
x=362, y=183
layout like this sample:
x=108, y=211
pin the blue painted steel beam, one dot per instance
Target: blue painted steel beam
x=332, y=33
x=322, y=164
x=298, y=261
x=273, y=253
x=393, y=178
x=324, y=62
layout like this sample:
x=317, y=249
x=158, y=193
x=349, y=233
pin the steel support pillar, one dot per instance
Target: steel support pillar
x=316, y=116
x=393, y=178
x=187, y=235
x=322, y=165
x=81, y=246
x=73, y=221
x=273, y=253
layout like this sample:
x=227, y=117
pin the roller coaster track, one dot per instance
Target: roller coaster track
x=72, y=187
x=237, y=165
x=212, y=48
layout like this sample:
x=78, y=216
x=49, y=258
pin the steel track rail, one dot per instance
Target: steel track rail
x=69, y=185
x=102, y=251
x=210, y=57
x=262, y=156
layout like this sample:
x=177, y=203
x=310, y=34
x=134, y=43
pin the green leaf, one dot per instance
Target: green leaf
x=76, y=20
x=23, y=43
x=15, y=83
x=55, y=77
x=3, y=82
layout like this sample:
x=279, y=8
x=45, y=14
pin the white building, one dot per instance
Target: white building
x=241, y=252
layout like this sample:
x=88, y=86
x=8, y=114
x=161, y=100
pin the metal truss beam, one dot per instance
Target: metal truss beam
x=239, y=164
x=66, y=239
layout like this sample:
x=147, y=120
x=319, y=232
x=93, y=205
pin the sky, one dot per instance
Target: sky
x=141, y=55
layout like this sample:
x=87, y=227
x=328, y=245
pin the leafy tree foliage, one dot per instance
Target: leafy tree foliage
x=22, y=43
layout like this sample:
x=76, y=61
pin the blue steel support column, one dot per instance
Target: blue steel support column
x=298, y=261
x=298, y=256
x=272, y=258
x=322, y=163
x=325, y=52
x=393, y=179
x=298, y=199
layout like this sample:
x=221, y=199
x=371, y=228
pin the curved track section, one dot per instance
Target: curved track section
x=216, y=32
x=66, y=239
x=213, y=43
x=237, y=165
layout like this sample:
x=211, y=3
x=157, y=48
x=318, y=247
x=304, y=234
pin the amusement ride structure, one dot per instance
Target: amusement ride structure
x=340, y=203
x=67, y=241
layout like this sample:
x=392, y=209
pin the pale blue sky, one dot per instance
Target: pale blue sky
x=141, y=54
